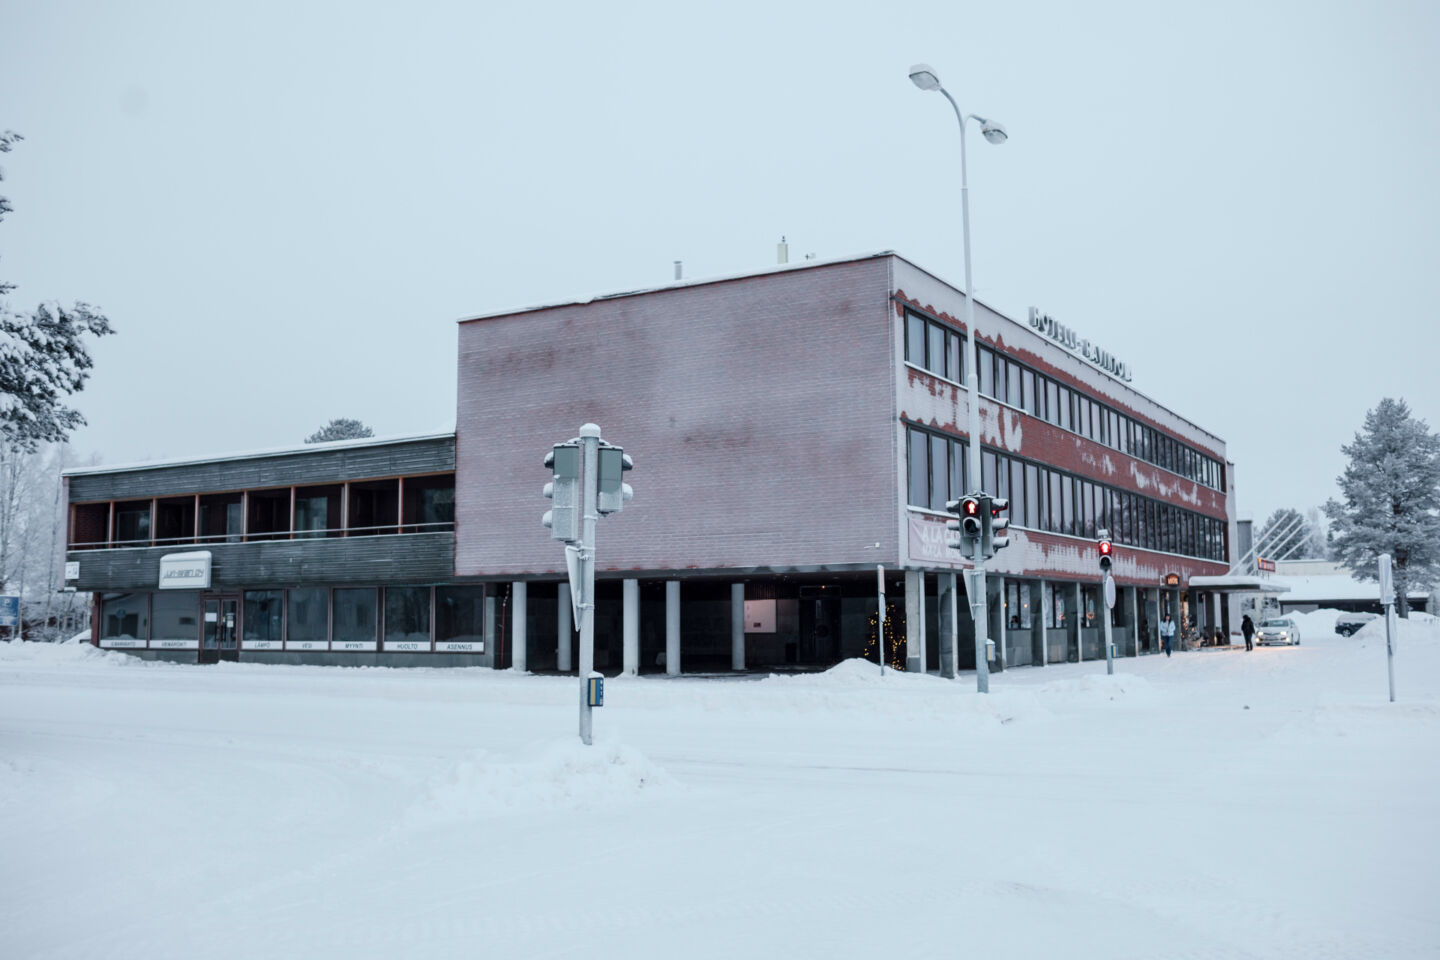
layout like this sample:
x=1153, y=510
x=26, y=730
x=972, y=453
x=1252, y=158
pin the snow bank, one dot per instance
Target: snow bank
x=31, y=651
x=565, y=775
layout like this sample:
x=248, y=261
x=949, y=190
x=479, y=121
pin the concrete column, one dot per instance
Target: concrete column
x=949, y=626
x=1214, y=612
x=915, y=621
x=1047, y=610
x=672, y=627
x=737, y=626
x=1079, y=619
x=563, y=630
x=490, y=627
x=1002, y=635
x=630, y=626
x=1132, y=613
x=518, y=610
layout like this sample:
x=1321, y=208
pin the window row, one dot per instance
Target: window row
x=934, y=347
x=341, y=619
x=1038, y=395
x=1056, y=502
x=397, y=505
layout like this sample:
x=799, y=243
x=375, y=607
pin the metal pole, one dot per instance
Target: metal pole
x=880, y=623
x=1387, y=597
x=590, y=446
x=972, y=382
x=980, y=611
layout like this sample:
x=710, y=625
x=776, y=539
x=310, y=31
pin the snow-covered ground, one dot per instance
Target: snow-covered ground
x=1214, y=804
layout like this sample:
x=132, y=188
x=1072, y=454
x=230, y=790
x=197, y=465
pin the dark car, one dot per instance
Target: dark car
x=1348, y=623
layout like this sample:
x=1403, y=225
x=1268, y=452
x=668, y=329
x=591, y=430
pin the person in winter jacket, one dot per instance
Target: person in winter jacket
x=1167, y=633
x=1247, y=627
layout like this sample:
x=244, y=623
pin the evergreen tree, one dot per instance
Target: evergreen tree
x=1391, y=490
x=44, y=359
x=340, y=429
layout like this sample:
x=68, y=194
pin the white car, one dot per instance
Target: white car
x=1278, y=630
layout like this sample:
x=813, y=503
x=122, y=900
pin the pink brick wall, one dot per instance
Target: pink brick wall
x=760, y=413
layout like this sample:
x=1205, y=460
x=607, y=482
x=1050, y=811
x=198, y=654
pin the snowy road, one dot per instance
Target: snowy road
x=1216, y=804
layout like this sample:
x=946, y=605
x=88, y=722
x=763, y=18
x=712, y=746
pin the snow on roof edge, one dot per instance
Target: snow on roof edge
x=266, y=452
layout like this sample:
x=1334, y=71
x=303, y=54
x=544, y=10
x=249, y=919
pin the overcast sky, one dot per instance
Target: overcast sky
x=283, y=208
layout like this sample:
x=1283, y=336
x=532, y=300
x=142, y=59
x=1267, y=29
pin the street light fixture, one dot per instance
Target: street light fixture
x=925, y=77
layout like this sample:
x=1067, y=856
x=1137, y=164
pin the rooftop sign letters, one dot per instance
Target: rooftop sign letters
x=185, y=571
x=1267, y=565
x=1066, y=337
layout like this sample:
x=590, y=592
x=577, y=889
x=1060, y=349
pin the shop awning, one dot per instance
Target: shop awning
x=1241, y=583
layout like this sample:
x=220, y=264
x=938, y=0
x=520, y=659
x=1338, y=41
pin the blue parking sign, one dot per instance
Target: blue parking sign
x=9, y=611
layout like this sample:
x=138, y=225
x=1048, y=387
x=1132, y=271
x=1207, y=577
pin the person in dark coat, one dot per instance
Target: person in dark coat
x=1247, y=627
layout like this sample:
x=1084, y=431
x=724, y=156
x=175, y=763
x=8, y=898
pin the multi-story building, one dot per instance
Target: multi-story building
x=793, y=430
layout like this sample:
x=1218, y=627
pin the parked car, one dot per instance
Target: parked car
x=1348, y=623
x=1278, y=630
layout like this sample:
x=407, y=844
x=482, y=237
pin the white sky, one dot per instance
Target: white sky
x=283, y=208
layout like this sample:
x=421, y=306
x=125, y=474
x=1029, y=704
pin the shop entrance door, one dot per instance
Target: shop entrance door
x=220, y=639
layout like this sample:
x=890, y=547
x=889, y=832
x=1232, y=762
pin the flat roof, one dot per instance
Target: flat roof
x=325, y=447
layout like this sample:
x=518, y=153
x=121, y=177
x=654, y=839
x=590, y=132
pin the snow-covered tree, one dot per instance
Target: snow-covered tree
x=44, y=358
x=1284, y=535
x=340, y=429
x=1391, y=491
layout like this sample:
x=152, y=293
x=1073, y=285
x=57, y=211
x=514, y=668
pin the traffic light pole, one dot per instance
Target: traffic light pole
x=980, y=612
x=590, y=446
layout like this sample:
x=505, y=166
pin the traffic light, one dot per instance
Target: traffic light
x=1106, y=551
x=612, y=492
x=968, y=528
x=996, y=535
x=563, y=519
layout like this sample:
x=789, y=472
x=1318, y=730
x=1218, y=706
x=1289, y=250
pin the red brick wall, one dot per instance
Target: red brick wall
x=760, y=413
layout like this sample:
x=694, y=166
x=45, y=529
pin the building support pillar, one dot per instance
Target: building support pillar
x=1002, y=633
x=563, y=629
x=519, y=642
x=672, y=628
x=1047, y=610
x=1079, y=624
x=630, y=627
x=915, y=621
x=949, y=626
x=737, y=626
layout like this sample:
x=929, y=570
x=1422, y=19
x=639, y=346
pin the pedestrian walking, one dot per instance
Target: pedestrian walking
x=1167, y=633
x=1247, y=627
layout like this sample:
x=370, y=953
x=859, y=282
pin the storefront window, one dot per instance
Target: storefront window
x=132, y=523
x=175, y=619
x=407, y=618
x=317, y=511
x=124, y=619
x=175, y=520
x=460, y=619
x=309, y=619
x=222, y=517
x=355, y=619
x=1087, y=599
x=262, y=619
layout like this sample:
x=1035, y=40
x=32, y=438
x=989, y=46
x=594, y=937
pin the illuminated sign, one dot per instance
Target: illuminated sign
x=185, y=571
x=1267, y=565
x=1171, y=580
x=1068, y=338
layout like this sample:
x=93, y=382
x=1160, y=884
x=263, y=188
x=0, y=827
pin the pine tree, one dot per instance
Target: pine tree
x=1391, y=490
x=340, y=429
x=44, y=359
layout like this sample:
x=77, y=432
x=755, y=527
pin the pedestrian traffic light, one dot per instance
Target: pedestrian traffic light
x=612, y=492
x=996, y=535
x=967, y=529
x=563, y=519
x=1106, y=549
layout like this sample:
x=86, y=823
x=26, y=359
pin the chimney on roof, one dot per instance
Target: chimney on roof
x=782, y=251
x=679, y=270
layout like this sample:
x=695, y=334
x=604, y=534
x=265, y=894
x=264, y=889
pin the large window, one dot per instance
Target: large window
x=263, y=619
x=175, y=619
x=317, y=511
x=460, y=619
x=175, y=520
x=407, y=618
x=933, y=346
x=937, y=469
x=429, y=504
x=269, y=517
x=309, y=619
x=356, y=620
x=124, y=619
x=374, y=507
x=222, y=517
x=132, y=524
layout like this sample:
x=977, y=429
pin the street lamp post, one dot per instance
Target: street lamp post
x=925, y=78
